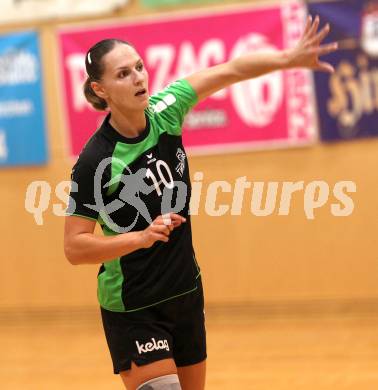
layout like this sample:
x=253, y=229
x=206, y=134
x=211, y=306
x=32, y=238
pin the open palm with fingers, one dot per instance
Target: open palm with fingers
x=308, y=50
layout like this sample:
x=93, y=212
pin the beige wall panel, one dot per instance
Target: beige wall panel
x=291, y=257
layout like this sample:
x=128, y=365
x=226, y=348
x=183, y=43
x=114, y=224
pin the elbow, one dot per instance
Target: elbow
x=70, y=255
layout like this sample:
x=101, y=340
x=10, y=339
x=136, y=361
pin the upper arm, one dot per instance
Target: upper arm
x=81, y=217
x=210, y=80
x=77, y=225
x=72, y=228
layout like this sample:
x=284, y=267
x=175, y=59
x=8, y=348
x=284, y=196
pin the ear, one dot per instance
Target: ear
x=98, y=90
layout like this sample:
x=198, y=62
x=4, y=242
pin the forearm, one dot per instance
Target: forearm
x=259, y=63
x=211, y=80
x=88, y=248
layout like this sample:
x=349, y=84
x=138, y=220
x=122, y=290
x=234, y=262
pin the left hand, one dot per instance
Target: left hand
x=309, y=49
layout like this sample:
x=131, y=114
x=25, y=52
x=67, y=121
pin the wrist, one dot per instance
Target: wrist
x=287, y=59
x=139, y=239
x=133, y=241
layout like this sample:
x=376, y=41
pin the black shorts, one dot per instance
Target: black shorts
x=172, y=329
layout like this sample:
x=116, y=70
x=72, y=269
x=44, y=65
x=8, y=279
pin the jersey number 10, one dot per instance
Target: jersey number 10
x=160, y=167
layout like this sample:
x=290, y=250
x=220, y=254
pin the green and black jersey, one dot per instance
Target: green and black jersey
x=124, y=184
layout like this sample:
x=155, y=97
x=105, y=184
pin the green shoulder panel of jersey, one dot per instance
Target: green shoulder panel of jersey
x=172, y=104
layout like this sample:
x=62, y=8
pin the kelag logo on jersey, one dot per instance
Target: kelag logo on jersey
x=153, y=345
x=347, y=99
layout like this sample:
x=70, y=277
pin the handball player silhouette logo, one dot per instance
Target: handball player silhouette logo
x=134, y=185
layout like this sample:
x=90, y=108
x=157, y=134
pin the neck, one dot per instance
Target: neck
x=130, y=125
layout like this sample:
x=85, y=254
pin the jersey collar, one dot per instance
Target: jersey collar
x=114, y=135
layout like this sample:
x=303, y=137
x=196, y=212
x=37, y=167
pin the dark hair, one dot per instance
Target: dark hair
x=95, y=69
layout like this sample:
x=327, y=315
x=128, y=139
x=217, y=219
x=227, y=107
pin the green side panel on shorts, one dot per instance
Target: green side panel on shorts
x=109, y=282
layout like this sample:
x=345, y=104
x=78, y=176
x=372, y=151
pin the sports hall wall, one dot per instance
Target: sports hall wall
x=274, y=259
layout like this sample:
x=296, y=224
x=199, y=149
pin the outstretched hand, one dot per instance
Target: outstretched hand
x=308, y=50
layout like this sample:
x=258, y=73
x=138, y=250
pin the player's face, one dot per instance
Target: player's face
x=125, y=80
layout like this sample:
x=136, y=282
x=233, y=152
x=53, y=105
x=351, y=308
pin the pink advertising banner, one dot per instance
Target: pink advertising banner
x=269, y=111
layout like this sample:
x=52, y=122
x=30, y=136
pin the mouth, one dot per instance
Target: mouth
x=141, y=92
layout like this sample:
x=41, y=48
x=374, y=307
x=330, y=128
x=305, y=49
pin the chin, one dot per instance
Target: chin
x=137, y=106
x=146, y=103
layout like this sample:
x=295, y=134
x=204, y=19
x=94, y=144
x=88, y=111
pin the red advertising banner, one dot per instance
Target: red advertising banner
x=269, y=111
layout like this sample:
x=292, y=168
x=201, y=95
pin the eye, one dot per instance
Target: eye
x=123, y=73
x=140, y=66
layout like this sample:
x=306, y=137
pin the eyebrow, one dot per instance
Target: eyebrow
x=127, y=67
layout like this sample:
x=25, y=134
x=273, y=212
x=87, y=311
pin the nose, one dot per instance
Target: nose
x=138, y=77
